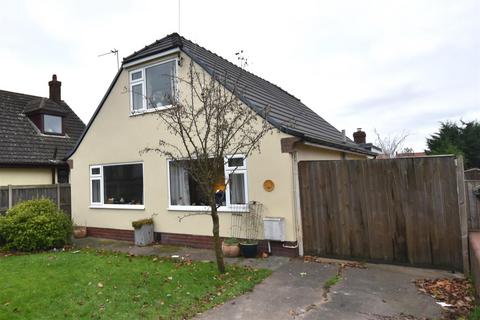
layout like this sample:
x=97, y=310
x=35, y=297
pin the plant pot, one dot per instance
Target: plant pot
x=249, y=250
x=80, y=232
x=230, y=250
x=144, y=235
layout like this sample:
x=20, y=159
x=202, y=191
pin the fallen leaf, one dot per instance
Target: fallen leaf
x=454, y=295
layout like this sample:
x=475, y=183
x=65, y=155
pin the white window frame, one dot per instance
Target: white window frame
x=236, y=170
x=134, y=83
x=102, y=204
x=143, y=82
x=228, y=207
x=96, y=177
x=52, y=116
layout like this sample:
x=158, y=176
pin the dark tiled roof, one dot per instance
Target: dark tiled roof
x=20, y=141
x=287, y=113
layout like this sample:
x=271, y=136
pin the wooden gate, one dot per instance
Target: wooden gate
x=408, y=211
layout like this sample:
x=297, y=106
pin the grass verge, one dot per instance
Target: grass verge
x=105, y=285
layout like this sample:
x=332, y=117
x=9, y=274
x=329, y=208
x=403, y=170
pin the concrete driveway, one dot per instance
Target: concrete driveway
x=296, y=291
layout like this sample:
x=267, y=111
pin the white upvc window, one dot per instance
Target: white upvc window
x=117, y=186
x=96, y=194
x=153, y=87
x=236, y=173
x=185, y=194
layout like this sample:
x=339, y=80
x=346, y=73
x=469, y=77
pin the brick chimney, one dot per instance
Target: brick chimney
x=359, y=136
x=55, y=92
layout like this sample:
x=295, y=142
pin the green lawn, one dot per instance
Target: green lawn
x=475, y=314
x=100, y=285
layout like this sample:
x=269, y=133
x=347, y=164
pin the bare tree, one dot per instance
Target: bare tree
x=407, y=150
x=390, y=145
x=208, y=125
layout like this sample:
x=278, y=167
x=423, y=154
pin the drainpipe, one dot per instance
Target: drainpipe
x=296, y=203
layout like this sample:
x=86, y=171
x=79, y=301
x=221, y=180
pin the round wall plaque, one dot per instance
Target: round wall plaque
x=268, y=185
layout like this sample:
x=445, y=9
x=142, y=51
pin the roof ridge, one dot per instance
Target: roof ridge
x=233, y=64
x=176, y=42
x=21, y=93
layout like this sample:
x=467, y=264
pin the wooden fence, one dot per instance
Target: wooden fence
x=473, y=204
x=59, y=193
x=472, y=174
x=407, y=211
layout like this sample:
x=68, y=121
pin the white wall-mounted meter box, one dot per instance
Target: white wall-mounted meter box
x=274, y=228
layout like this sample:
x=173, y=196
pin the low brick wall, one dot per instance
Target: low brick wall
x=278, y=249
x=188, y=240
x=115, y=234
x=474, y=241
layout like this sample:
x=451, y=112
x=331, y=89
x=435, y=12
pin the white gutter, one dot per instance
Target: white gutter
x=152, y=57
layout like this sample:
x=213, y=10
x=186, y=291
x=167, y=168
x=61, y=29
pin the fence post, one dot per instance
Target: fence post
x=58, y=195
x=10, y=196
x=462, y=211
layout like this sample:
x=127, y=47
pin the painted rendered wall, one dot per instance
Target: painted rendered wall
x=311, y=153
x=25, y=176
x=307, y=153
x=116, y=137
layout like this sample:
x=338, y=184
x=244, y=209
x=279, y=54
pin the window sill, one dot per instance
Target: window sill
x=231, y=209
x=118, y=206
x=54, y=135
x=151, y=110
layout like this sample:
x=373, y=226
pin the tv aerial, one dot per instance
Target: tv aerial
x=113, y=51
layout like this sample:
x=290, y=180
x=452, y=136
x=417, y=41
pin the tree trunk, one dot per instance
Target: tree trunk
x=216, y=239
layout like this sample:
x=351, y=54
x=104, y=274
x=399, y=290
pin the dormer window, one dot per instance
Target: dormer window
x=52, y=124
x=152, y=87
x=47, y=114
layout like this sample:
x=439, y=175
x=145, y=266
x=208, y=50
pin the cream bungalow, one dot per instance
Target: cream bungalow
x=113, y=184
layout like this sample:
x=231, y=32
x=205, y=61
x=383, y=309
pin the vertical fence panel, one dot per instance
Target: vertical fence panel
x=11, y=195
x=473, y=204
x=65, y=199
x=399, y=210
x=3, y=199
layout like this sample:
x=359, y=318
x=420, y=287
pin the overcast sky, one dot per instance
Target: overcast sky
x=391, y=65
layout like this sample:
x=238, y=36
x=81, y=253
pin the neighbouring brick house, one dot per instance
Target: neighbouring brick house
x=36, y=133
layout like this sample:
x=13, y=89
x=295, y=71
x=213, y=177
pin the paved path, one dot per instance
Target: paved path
x=271, y=263
x=296, y=290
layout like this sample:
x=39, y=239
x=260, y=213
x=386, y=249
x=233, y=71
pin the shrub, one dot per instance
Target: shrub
x=140, y=223
x=35, y=225
x=231, y=241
